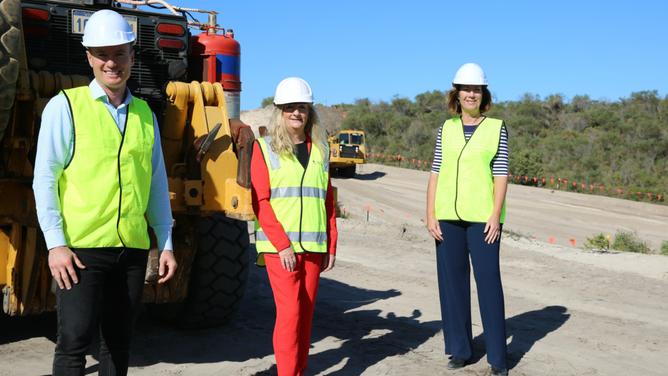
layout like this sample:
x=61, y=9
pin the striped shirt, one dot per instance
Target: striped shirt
x=499, y=164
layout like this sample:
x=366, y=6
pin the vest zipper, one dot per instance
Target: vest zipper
x=74, y=131
x=120, y=185
x=458, y=158
x=301, y=201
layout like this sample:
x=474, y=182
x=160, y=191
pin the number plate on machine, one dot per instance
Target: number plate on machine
x=80, y=17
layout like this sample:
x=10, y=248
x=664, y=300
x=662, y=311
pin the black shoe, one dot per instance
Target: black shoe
x=499, y=371
x=456, y=363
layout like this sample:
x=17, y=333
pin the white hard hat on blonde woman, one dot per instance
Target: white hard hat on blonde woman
x=470, y=74
x=293, y=90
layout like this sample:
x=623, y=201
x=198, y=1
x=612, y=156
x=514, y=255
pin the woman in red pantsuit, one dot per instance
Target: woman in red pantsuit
x=296, y=220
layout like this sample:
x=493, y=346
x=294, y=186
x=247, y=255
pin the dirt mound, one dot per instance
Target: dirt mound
x=256, y=118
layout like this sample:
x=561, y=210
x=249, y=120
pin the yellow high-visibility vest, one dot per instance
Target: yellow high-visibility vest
x=465, y=189
x=104, y=189
x=297, y=199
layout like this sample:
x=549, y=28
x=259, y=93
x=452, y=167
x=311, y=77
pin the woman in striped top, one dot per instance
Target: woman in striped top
x=465, y=213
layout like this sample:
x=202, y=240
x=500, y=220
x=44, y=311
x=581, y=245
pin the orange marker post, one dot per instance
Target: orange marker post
x=367, y=209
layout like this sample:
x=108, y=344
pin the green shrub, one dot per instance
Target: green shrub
x=598, y=242
x=664, y=248
x=341, y=211
x=628, y=241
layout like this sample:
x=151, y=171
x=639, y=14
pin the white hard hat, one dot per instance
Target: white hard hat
x=470, y=74
x=293, y=90
x=107, y=28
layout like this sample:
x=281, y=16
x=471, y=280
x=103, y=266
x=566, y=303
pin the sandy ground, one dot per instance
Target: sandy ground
x=569, y=312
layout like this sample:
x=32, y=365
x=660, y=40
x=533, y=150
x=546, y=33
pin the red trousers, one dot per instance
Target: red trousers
x=294, y=296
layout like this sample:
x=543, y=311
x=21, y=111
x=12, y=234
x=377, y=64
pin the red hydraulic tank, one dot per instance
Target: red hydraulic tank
x=221, y=59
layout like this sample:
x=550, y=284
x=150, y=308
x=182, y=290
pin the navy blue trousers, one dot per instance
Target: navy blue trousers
x=461, y=240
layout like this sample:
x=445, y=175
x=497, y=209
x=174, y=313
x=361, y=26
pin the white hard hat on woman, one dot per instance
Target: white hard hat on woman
x=107, y=28
x=293, y=90
x=470, y=74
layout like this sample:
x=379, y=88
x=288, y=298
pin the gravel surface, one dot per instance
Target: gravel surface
x=569, y=311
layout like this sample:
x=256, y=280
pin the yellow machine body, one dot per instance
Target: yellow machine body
x=199, y=185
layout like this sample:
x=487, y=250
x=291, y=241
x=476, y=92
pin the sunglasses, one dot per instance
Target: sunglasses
x=291, y=107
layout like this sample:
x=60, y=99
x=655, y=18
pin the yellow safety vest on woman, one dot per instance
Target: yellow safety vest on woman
x=104, y=189
x=297, y=199
x=465, y=189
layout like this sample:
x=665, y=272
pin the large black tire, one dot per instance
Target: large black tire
x=217, y=278
x=10, y=50
x=219, y=272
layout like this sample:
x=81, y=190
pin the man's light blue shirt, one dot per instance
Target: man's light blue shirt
x=55, y=146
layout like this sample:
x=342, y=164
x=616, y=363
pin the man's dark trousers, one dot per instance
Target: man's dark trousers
x=106, y=301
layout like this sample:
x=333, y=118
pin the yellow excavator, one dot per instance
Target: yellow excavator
x=192, y=84
x=347, y=149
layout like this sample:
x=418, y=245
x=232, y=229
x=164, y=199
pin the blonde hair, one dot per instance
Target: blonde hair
x=281, y=143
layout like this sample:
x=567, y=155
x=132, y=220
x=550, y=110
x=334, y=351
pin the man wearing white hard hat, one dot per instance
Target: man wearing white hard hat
x=465, y=213
x=296, y=218
x=99, y=182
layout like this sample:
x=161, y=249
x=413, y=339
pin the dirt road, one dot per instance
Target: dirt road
x=569, y=312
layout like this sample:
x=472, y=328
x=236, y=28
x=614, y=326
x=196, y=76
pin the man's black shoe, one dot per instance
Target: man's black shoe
x=456, y=363
x=499, y=371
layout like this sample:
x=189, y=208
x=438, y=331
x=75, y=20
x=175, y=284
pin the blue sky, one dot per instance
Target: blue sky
x=378, y=50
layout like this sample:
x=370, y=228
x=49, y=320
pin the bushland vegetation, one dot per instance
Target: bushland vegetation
x=622, y=144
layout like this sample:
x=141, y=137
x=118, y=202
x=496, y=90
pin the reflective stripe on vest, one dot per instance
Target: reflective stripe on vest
x=104, y=190
x=317, y=237
x=297, y=199
x=465, y=189
x=284, y=192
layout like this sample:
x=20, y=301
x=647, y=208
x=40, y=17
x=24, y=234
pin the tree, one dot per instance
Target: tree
x=268, y=101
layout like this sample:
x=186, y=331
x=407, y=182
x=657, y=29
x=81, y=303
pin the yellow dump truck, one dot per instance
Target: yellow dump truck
x=347, y=149
x=191, y=81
